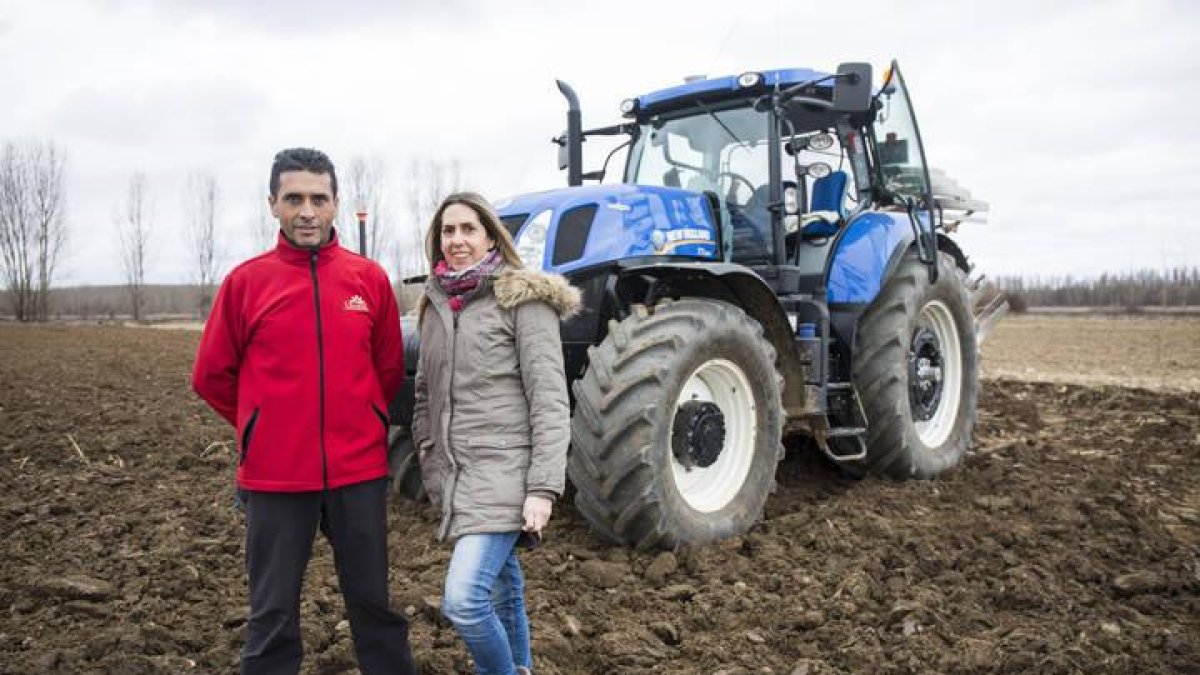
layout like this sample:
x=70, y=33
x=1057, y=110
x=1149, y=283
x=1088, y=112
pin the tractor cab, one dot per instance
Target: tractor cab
x=761, y=181
x=785, y=157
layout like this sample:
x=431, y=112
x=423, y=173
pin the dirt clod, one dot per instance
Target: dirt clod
x=660, y=568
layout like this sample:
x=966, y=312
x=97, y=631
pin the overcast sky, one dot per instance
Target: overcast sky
x=1075, y=120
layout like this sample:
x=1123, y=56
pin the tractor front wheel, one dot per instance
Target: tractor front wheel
x=677, y=426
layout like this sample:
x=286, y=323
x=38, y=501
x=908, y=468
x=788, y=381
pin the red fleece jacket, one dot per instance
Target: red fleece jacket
x=302, y=354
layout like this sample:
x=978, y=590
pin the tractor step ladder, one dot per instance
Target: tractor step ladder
x=857, y=432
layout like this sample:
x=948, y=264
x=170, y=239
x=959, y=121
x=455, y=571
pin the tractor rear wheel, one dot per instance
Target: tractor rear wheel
x=916, y=369
x=403, y=467
x=677, y=426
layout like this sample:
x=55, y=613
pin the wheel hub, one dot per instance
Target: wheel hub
x=699, y=433
x=925, y=373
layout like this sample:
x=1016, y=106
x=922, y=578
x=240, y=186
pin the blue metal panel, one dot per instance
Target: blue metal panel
x=782, y=78
x=862, y=256
x=630, y=221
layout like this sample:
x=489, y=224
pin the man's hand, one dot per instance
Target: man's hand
x=537, y=513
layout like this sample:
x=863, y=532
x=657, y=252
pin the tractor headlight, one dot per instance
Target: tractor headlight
x=819, y=169
x=629, y=107
x=746, y=80
x=531, y=243
x=820, y=142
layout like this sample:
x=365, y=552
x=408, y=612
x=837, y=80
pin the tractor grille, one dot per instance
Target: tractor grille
x=572, y=234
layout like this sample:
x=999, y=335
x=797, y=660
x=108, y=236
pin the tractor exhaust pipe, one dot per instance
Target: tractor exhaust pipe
x=570, y=144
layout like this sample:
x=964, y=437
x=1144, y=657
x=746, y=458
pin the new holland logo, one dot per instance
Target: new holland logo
x=356, y=304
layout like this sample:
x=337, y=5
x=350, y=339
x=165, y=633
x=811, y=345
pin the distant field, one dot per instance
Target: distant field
x=1155, y=352
x=1073, y=346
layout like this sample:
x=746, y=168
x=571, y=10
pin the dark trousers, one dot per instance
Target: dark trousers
x=280, y=529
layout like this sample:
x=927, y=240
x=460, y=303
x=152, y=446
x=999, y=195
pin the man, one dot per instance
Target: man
x=302, y=354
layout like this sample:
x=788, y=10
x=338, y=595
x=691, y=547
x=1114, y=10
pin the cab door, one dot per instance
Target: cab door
x=900, y=165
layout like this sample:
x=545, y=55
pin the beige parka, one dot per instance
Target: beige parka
x=491, y=422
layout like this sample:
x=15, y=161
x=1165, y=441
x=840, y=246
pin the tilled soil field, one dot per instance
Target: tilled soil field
x=1068, y=542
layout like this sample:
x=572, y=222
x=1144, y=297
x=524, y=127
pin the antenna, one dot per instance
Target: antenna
x=733, y=28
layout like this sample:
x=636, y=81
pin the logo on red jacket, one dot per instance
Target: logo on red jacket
x=356, y=304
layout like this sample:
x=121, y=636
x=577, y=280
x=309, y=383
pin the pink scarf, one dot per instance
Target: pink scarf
x=461, y=286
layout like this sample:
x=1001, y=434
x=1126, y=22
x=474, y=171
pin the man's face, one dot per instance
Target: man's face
x=305, y=207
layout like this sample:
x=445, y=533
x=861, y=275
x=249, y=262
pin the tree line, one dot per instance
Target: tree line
x=1171, y=287
x=34, y=232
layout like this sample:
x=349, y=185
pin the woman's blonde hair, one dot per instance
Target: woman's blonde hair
x=487, y=217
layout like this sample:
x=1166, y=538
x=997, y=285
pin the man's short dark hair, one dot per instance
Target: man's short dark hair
x=302, y=159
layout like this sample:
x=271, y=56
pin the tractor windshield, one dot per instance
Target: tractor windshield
x=722, y=151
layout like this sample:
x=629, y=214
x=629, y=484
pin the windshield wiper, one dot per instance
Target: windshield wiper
x=718, y=119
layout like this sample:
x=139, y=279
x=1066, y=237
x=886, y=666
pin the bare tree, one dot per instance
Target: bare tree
x=16, y=230
x=33, y=226
x=201, y=200
x=133, y=227
x=429, y=182
x=263, y=226
x=363, y=188
x=49, y=212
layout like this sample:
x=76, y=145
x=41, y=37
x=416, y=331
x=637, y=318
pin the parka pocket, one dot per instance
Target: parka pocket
x=499, y=442
x=496, y=468
x=247, y=432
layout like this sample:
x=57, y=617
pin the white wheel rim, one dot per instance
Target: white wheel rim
x=711, y=488
x=937, y=429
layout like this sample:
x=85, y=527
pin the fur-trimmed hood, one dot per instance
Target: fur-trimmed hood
x=516, y=286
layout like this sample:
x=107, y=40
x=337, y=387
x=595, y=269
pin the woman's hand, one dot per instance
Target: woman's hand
x=537, y=513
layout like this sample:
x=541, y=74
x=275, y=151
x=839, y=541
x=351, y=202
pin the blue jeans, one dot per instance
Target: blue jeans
x=485, y=600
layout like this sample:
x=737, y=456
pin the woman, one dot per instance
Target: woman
x=491, y=421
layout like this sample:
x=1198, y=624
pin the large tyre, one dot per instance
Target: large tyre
x=403, y=467
x=916, y=369
x=677, y=426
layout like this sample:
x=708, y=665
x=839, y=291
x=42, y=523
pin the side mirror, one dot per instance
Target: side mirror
x=852, y=92
x=564, y=153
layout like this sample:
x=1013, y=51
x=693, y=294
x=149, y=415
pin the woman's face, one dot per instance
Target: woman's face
x=464, y=239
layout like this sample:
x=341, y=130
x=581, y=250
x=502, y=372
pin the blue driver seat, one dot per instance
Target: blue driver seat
x=828, y=210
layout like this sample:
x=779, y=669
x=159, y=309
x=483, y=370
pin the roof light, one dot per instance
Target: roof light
x=749, y=79
x=818, y=169
x=629, y=107
x=820, y=141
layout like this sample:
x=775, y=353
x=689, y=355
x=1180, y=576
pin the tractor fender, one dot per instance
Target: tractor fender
x=948, y=245
x=866, y=252
x=647, y=280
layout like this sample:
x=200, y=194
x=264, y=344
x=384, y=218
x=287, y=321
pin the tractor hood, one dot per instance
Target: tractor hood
x=571, y=228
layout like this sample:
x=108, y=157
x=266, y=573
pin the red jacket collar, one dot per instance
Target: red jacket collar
x=289, y=252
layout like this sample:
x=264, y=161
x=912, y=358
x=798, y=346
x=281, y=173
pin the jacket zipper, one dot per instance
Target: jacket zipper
x=445, y=529
x=320, y=369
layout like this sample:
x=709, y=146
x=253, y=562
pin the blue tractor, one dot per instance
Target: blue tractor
x=776, y=262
